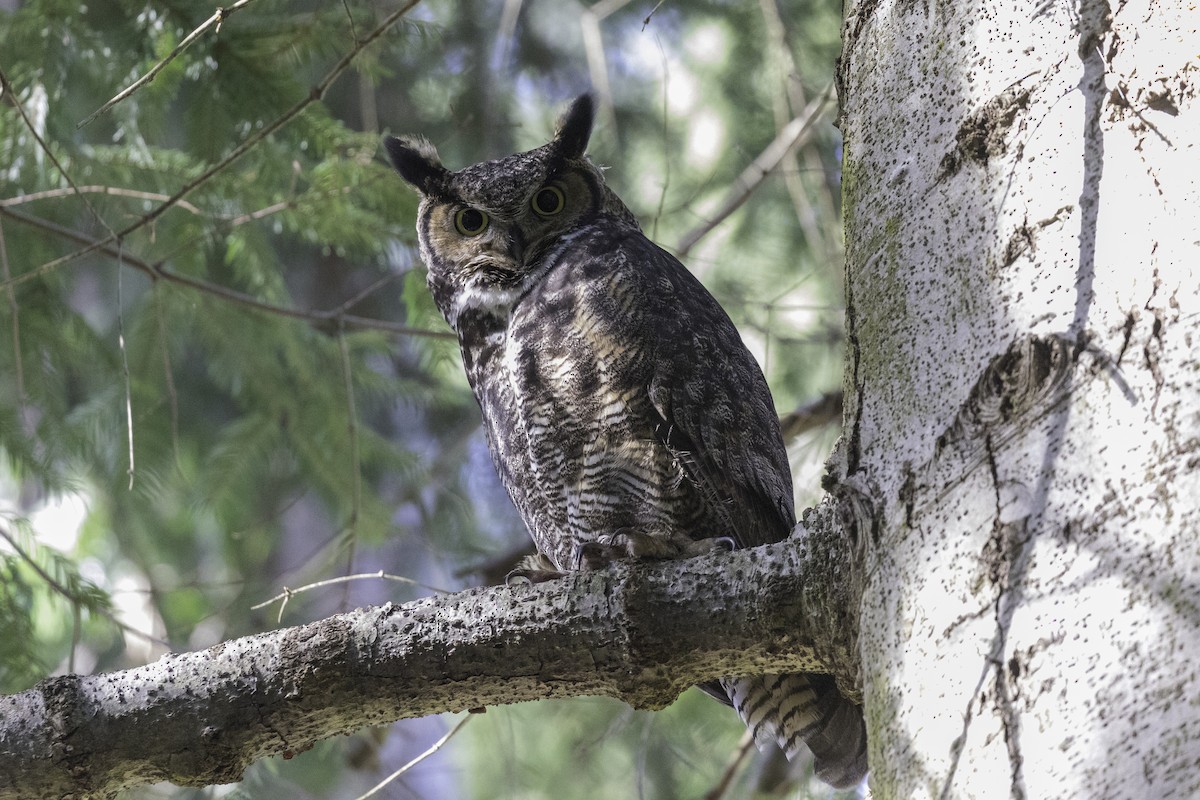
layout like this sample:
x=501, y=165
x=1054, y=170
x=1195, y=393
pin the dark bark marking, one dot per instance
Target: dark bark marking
x=1032, y=375
x=1127, y=328
x=983, y=134
x=1019, y=243
x=1150, y=353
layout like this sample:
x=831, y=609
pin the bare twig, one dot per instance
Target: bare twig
x=646, y=21
x=593, y=45
x=816, y=215
x=350, y=19
x=124, y=358
x=433, y=748
x=286, y=595
x=16, y=322
x=825, y=410
x=219, y=16
x=168, y=374
x=355, y=466
x=160, y=272
x=790, y=137
x=354, y=300
x=6, y=87
x=739, y=755
x=666, y=138
x=115, y=191
x=315, y=94
x=275, y=208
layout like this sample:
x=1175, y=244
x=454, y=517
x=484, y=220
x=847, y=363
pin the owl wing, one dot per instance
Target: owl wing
x=715, y=412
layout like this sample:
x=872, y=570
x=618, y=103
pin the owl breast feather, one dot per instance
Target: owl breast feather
x=568, y=402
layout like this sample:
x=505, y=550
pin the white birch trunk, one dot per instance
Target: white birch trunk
x=1023, y=407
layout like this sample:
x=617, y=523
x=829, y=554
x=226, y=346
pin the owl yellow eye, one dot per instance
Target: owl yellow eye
x=470, y=221
x=549, y=201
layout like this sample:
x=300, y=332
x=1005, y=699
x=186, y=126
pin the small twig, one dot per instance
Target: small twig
x=115, y=191
x=824, y=410
x=364, y=294
x=7, y=87
x=219, y=16
x=739, y=755
x=172, y=395
x=286, y=594
x=646, y=21
x=666, y=138
x=593, y=46
x=216, y=290
x=433, y=748
x=16, y=323
x=124, y=359
x=282, y=205
x=316, y=93
x=355, y=466
x=790, y=137
x=350, y=19
x=812, y=219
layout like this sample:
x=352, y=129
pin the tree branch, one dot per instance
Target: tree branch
x=316, y=93
x=219, y=16
x=156, y=271
x=824, y=410
x=791, y=136
x=641, y=633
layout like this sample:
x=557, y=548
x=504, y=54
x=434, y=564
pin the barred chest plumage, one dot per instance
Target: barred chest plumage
x=565, y=407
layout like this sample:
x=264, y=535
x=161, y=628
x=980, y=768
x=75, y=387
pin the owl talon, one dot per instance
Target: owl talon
x=525, y=577
x=593, y=555
x=626, y=544
x=607, y=548
x=533, y=569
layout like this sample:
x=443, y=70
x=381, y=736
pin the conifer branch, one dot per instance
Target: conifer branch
x=114, y=191
x=315, y=94
x=14, y=310
x=158, y=271
x=219, y=16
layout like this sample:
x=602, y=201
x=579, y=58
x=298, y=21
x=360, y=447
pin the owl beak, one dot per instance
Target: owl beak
x=516, y=248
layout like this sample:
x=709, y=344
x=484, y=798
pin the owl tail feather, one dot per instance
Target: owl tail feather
x=793, y=711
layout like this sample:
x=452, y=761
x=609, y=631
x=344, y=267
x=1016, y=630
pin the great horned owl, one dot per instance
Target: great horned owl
x=623, y=412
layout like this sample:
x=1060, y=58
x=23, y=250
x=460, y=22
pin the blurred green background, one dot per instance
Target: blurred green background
x=266, y=350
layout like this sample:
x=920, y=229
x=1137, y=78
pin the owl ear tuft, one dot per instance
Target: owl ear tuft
x=417, y=162
x=575, y=127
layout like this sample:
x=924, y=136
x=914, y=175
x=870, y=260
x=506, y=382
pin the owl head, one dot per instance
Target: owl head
x=487, y=230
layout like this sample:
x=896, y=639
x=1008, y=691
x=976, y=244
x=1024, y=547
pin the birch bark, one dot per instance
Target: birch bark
x=1023, y=396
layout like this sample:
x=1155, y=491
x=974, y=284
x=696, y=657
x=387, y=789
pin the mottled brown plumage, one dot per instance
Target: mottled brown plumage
x=623, y=412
